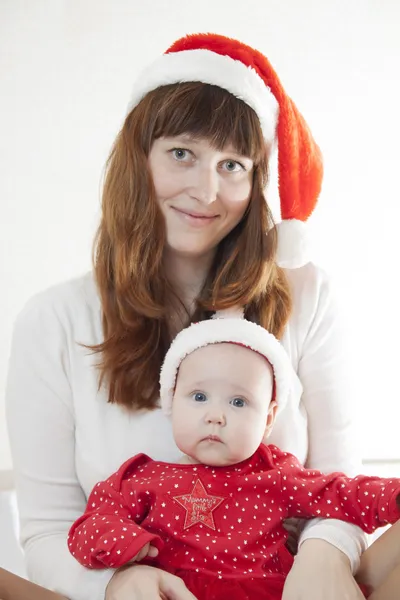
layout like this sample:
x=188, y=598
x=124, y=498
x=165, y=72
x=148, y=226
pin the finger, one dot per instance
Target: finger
x=143, y=552
x=153, y=552
x=174, y=588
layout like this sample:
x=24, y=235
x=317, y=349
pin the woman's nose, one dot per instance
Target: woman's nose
x=205, y=188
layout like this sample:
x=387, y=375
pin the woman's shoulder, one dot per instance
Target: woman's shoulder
x=311, y=288
x=312, y=296
x=314, y=309
x=66, y=301
x=308, y=281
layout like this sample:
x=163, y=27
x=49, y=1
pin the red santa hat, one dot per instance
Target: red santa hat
x=226, y=326
x=247, y=74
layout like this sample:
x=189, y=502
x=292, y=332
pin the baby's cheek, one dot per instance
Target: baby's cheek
x=253, y=431
x=180, y=431
x=185, y=443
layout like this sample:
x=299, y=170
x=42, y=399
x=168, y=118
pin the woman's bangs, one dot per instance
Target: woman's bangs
x=209, y=112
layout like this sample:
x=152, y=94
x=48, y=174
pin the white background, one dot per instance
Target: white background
x=67, y=68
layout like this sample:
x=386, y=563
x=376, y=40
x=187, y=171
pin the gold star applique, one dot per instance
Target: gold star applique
x=199, y=506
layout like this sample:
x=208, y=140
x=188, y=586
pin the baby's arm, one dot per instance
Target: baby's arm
x=369, y=502
x=109, y=534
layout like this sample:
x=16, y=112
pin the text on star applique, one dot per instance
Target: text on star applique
x=199, y=506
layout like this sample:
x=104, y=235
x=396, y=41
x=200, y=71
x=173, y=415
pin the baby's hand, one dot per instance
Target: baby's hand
x=147, y=550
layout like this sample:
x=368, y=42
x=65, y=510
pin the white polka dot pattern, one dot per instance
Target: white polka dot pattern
x=222, y=521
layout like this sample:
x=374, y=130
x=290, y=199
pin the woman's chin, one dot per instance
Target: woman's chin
x=190, y=251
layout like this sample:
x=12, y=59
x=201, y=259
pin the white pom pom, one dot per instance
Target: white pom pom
x=293, y=249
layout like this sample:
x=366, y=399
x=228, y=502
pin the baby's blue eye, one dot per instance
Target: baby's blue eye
x=200, y=397
x=238, y=402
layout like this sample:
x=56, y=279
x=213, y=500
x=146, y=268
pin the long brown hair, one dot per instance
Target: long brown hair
x=128, y=250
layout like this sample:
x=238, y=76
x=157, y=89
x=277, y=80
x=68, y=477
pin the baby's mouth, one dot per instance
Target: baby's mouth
x=212, y=438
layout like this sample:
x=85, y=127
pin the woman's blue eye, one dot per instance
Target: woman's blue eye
x=232, y=166
x=179, y=153
x=200, y=397
x=238, y=402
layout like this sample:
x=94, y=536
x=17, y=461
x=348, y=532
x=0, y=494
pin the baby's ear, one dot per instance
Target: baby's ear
x=270, y=418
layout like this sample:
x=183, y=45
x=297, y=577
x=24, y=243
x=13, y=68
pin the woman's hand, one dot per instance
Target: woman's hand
x=140, y=582
x=321, y=571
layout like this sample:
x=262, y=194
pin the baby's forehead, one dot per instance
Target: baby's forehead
x=223, y=357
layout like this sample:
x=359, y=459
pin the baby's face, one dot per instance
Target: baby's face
x=222, y=404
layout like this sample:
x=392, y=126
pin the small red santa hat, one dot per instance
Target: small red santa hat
x=247, y=74
x=227, y=326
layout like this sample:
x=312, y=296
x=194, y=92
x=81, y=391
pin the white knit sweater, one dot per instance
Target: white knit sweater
x=65, y=436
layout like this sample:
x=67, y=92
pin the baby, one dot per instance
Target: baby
x=216, y=518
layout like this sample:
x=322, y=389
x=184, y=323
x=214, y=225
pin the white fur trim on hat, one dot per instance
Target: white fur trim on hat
x=231, y=330
x=293, y=249
x=209, y=67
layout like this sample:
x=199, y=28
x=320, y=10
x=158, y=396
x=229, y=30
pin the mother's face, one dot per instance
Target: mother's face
x=202, y=192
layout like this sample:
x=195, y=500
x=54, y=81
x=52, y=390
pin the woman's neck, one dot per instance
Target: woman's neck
x=187, y=276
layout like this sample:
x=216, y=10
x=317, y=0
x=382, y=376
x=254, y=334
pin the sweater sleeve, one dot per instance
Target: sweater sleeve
x=324, y=370
x=108, y=534
x=40, y=421
x=366, y=501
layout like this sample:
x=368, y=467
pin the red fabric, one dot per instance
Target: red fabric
x=207, y=587
x=222, y=524
x=299, y=158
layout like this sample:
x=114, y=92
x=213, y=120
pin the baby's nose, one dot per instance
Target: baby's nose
x=216, y=418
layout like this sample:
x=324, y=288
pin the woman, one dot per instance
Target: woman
x=183, y=233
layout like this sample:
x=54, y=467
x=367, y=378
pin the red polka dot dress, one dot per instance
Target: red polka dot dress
x=221, y=528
